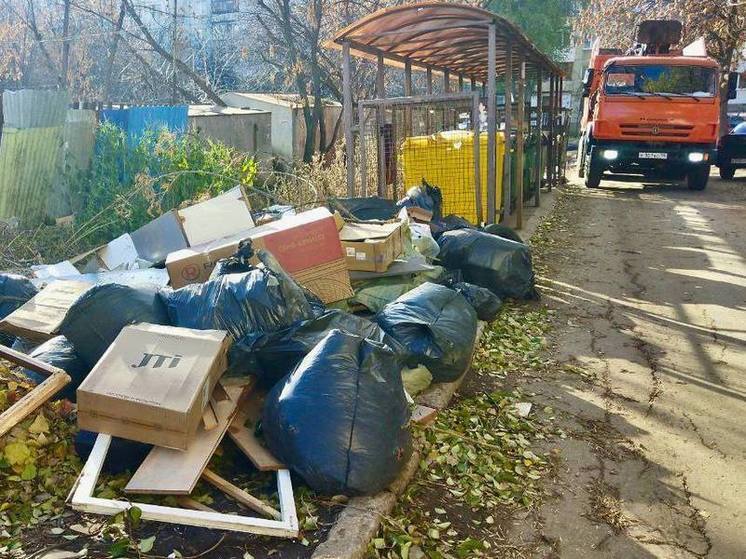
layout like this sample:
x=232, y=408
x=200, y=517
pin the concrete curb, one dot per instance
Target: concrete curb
x=359, y=521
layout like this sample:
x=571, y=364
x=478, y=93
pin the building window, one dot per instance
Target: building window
x=224, y=7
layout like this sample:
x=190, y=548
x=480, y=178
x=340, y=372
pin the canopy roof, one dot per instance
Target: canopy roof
x=440, y=36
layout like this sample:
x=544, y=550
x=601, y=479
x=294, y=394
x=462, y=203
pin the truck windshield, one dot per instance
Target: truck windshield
x=654, y=79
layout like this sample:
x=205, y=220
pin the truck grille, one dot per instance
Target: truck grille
x=659, y=130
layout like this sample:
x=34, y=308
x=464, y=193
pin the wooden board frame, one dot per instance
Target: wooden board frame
x=83, y=500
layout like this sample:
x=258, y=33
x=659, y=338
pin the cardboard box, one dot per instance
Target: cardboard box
x=216, y=218
x=371, y=247
x=306, y=245
x=39, y=319
x=153, y=383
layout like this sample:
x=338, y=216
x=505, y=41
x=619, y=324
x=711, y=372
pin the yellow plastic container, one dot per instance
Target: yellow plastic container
x=446, y=160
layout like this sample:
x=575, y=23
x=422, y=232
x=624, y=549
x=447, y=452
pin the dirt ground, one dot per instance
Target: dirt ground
x=649, y=288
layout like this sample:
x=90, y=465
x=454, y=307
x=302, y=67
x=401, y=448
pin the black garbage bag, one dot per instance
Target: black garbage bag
x=124, y=455
x=96, y=318
x=502, y=231
x=236, y=263
x=340, y=418
x=450, y=222
x=15, y=290
x=264, y=299
x=486, y=303
x=436, y=327
x=60, y=353
x=426, y=196
x=274, y=355
x=364, y=209
x=502, y=266
x=240, y=262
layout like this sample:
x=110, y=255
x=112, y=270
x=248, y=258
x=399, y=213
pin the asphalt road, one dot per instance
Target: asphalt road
x=649, y=286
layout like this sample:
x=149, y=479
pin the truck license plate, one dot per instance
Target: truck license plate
x=652, y=155
x=739, y=161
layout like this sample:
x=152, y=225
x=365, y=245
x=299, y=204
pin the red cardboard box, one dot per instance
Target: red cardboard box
x=306, y=245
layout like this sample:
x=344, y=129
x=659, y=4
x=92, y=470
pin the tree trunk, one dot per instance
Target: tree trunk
x=66, y=45
x=112, y=54
x=180, y=65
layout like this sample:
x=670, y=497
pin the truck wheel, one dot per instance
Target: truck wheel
x=593, y=174
x=727, y=172
x=697, y=178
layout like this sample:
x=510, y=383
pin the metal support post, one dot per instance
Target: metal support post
x=520, y=139
x=347, y=111
x=408, y=93
x=491, y=123
x=380, y=94
x=477, y=157
x=539, y=116
x=507, y=182
x=550, y=144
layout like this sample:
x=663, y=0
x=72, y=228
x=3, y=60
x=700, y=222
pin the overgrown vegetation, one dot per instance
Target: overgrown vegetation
x=132, y=181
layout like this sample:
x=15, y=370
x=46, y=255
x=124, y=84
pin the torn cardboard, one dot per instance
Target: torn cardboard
x=157, y=239
x=55, y=271
x=39, y=319
x=371, y=247
x=217, y=218
x=153, y=384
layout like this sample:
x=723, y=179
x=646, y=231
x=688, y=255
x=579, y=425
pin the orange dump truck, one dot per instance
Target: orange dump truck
x=650, y=114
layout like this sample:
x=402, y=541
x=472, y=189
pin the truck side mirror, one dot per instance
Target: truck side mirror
x=732, y=85
x=587, y=81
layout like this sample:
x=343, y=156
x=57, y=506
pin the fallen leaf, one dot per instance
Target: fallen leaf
x=40, y=425
x=146, y=544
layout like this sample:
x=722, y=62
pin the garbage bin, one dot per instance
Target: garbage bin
x=446, y=159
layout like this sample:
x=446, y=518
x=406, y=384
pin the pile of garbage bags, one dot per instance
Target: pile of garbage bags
x=338, y=379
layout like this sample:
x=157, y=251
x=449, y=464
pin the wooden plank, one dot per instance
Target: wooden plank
x=239, y=494
x=83, y=500
x=176, y=472
x=28, y=362
x=209, y=419
x=244, y=437
x=32, y=401
x=189, y=503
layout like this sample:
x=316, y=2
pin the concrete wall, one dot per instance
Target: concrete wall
x=281, y=121
x=251, y=133
x=288, y=124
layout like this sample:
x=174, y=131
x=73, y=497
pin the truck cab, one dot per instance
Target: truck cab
x=652, y=113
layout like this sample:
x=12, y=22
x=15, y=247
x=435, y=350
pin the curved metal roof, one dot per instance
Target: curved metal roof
x=442, y=36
